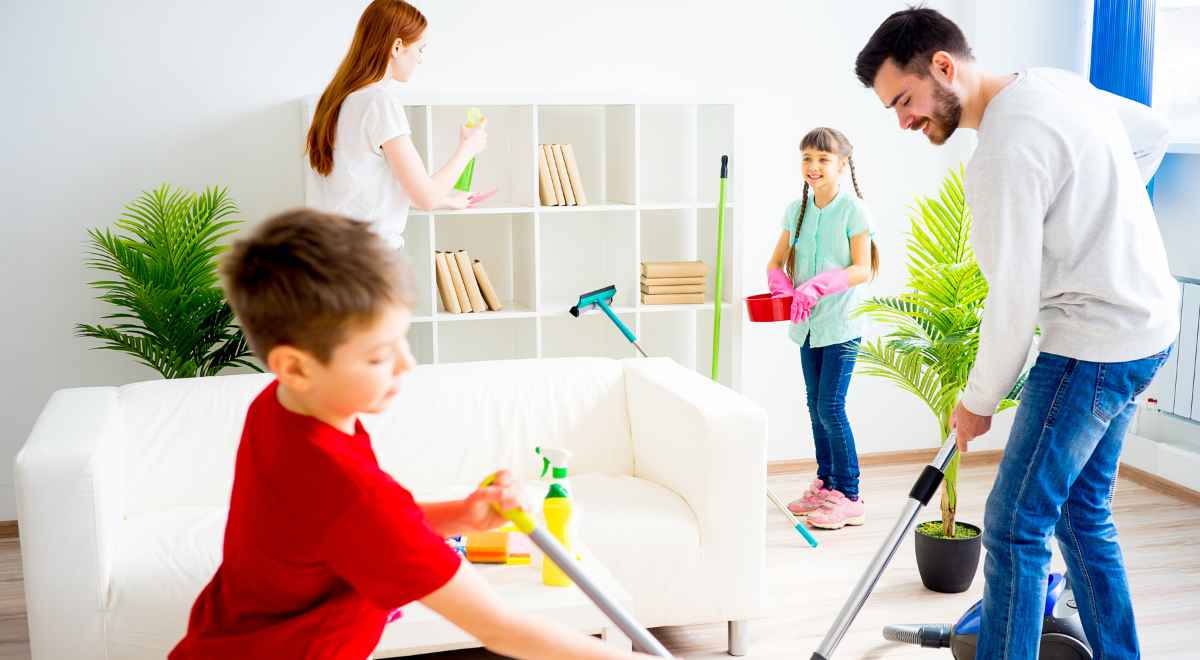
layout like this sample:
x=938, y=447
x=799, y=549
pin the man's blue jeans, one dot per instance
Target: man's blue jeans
x=1057, y=477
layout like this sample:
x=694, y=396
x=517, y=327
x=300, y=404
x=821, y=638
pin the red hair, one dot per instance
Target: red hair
x=381, y=23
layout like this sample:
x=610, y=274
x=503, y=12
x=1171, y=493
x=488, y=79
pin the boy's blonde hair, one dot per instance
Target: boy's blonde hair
x=303, y=277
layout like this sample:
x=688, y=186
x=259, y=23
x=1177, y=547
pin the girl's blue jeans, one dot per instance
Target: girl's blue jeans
x=827, y=373
x=1056, y=479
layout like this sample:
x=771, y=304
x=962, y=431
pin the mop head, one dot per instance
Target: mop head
x=594, y=299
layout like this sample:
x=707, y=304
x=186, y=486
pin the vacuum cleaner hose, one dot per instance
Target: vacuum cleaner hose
x=929, y=635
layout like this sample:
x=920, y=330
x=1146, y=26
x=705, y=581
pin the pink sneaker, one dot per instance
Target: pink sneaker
x=811, y=500
x=838, y=511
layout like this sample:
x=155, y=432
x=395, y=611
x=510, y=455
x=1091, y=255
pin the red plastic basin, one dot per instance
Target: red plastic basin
x=763, y=308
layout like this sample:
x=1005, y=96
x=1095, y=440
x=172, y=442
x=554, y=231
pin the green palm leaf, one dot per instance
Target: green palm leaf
x=934, y=324
x=170, y=313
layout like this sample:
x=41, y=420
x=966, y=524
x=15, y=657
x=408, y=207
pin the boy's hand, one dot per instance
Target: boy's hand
x=478, y=511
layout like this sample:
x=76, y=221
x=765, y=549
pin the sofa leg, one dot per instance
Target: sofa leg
x=739, y=638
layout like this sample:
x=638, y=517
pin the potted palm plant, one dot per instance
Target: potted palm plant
x=929, y=350
x=172, y=315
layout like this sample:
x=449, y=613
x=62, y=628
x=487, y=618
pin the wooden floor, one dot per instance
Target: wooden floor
x=1160, y=535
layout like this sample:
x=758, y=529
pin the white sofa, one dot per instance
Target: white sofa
x=122, y=491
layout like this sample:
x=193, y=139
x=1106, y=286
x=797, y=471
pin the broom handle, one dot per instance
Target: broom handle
x=716, y=352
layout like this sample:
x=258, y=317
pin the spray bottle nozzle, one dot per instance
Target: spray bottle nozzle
x=554, y=460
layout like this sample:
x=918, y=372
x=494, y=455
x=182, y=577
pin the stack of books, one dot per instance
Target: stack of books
x=559, y=183
x=463, y=284
x=673, y=282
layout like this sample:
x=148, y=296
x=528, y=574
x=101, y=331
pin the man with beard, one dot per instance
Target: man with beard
x=1065, y=234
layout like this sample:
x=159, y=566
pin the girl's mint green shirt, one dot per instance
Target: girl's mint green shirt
x=824, y=244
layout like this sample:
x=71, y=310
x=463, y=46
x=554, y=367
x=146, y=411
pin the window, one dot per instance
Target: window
x=1176, y=61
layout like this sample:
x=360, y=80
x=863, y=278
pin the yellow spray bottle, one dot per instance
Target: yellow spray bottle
x=556, y=508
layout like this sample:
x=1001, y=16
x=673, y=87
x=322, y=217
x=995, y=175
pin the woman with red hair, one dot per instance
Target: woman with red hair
x=360, y=144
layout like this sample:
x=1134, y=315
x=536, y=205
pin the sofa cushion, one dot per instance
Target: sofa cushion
x=163, y=561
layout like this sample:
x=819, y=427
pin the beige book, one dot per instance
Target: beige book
x=674, y=269
x=474, y=295
x=673, y=299
x=559, y=200
x=573, y=174
x=682, y=288
x=563, y=179
x=485, y=287
x=460, y=289
x=545, y=185
x=671, y=281
x=446, y=285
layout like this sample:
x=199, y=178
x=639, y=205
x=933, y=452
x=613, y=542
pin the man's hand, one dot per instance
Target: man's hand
x=968, y=426
x=478, y=512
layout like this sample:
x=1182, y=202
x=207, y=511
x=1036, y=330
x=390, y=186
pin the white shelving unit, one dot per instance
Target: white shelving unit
x=650, y=171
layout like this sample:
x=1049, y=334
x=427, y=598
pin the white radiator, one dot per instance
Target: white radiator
x=1176, y=388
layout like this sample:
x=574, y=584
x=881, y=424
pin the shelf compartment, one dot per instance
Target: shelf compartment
x=507, y=163
x=602, y=137
x=487, y=339
x=669, y=235
x=582, y=252
x=670, y=334
x=667, y=150
x=505, y=245
x=590, y=335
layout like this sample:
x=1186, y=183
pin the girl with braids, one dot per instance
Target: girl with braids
x=823, y=256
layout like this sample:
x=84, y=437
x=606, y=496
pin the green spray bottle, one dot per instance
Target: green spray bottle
x=474, y=116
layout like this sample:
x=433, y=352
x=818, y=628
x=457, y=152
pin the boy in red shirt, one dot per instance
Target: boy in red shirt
x=321, y=545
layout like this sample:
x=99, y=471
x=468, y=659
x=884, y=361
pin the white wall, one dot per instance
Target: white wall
x=106, y=100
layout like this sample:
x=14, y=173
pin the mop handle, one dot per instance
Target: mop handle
x=616, y=321
x=720, y=266
x=641, y=638
x=796, y=523
x=621, y=326
x=924, y=488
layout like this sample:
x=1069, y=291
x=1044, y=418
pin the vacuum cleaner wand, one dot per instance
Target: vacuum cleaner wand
x=641, y=638
x=924, y=488
x=602, y=298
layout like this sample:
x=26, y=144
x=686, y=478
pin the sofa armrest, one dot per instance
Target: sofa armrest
x=708, y=444
x=67, y=492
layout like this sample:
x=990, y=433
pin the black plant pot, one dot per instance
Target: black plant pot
x=948, y=565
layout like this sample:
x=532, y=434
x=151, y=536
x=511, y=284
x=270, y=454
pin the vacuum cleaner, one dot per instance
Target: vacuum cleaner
x=1062, y=632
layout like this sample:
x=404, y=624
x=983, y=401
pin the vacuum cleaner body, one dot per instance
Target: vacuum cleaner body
x=1062, y=632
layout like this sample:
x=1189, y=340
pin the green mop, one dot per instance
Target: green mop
x=797, y=524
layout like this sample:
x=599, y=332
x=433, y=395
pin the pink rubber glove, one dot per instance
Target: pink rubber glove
x=779, y=283
x=825, y=284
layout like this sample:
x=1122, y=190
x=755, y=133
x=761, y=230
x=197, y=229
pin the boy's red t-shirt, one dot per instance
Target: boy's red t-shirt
x=320, y=546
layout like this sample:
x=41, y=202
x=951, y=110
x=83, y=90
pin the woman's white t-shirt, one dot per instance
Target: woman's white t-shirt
x=361, y=184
